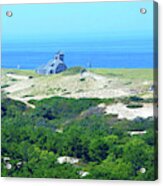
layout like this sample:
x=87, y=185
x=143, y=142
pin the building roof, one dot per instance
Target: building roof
x=53, y=63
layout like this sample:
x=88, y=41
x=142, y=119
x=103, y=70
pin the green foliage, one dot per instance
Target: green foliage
x=4, y=86
x=132, y=74
x=101, y=142
x=30, y=73
x=112, y=169
x=98, y=150
x=82, y=79
x=133, y=106
x=73, y=70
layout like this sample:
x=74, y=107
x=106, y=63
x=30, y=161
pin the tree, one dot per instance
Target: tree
x=98, y=149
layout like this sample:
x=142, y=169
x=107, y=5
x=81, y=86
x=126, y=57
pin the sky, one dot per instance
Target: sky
x=77, y=22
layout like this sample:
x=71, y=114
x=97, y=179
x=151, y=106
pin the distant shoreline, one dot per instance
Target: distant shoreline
x=12, y=68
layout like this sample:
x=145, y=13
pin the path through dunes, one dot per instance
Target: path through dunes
x=21, y=77
x=20, y=85
x=122, y=112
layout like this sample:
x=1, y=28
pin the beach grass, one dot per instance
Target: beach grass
x=101, y=83
x=128, y=73
x=19, y=72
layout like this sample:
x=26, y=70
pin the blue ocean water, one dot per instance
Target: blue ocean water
x=126, y=54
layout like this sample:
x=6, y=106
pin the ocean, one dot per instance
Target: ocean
x=126, y=54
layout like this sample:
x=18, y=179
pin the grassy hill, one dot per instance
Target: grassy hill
x=78, y=115
x=132, y=74
x=97, y=83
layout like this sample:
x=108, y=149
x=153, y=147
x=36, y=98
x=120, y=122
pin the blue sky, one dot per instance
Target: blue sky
x=77, y=21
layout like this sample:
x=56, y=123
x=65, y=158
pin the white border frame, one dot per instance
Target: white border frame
x=62, y=182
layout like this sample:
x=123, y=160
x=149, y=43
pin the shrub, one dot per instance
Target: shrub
x=82, y=79
x=4, y=86
x=134, y=106
x=74, y=70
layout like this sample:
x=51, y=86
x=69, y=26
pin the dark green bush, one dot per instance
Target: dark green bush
x=134, y=106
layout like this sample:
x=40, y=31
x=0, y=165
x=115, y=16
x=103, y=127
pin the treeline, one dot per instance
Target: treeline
x=35, y=138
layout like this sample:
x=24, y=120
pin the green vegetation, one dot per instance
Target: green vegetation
x=134, y=106
x=34, y=139
x=132, y=74
x=30, y=73
x=73, y=71
x=101, y=142
x=82, y=79
x=135, y=100
x=4, y=86
x=13, y=79
x=26, y=96
x=136, y=81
